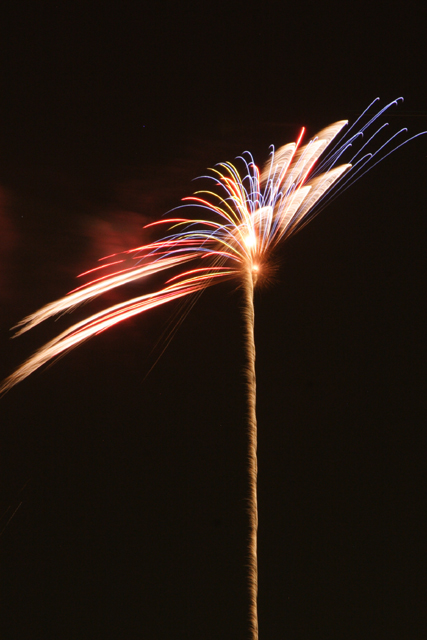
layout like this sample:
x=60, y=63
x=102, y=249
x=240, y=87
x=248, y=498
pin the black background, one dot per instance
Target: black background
x=124, y=496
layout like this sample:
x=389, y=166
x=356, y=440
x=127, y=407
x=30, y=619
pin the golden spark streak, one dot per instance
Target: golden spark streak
x=249, y=317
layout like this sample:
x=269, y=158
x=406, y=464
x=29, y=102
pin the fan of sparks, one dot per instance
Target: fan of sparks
x=246, y=214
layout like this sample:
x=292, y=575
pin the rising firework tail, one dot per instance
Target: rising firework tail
x=243, y=215
x=249, y=317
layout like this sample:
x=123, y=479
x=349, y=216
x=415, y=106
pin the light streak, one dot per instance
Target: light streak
x=249, y=317
x=246, y=215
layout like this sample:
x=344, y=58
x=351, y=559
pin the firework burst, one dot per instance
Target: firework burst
x=246, y=213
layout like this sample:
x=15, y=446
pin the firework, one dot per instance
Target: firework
x=246, y=213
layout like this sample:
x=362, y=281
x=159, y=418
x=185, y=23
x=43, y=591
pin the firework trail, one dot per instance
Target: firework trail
x=248, y=288
x=246, y=214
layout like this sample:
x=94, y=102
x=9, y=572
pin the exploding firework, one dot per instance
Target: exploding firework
x=247, y=213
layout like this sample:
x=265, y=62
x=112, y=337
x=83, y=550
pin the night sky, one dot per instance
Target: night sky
x=123, y=495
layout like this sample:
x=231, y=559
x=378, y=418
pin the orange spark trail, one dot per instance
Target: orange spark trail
x=249, y=317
